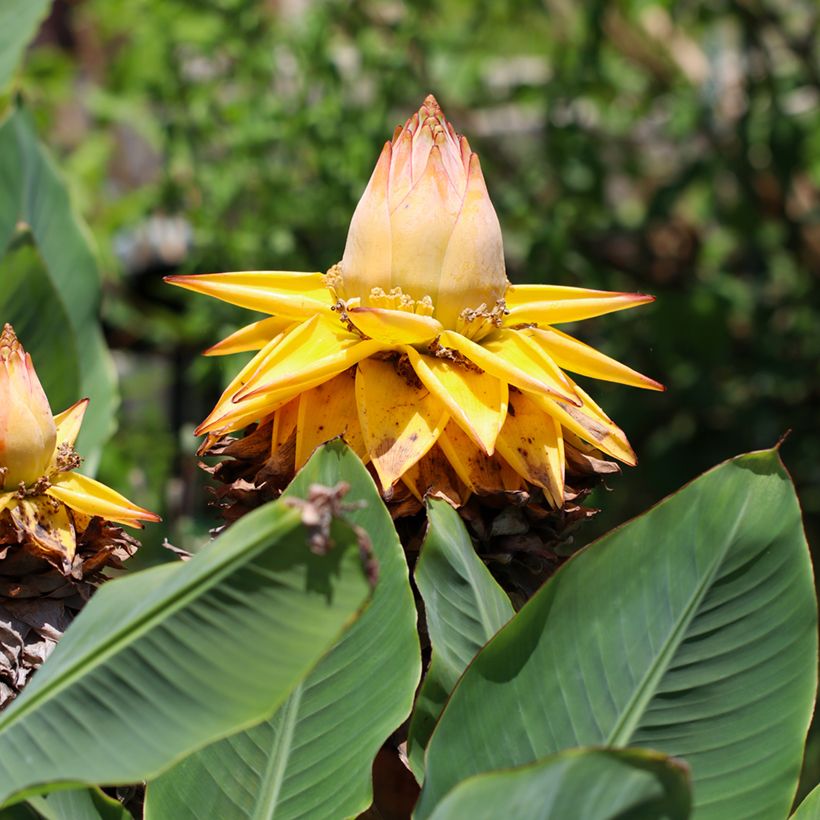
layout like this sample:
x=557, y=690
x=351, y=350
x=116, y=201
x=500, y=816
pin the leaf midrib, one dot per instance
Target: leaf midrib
x=274, y=776
x=632, y=713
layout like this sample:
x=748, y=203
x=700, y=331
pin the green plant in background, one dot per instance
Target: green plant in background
x=668, y=669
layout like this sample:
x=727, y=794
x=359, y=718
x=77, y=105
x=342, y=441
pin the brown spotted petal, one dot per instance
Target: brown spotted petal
x=47, y=527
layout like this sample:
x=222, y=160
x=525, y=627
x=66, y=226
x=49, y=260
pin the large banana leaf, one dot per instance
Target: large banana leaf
x=313, y=758
x=593, y=784
x=691, y=630
x=464, y=607
x=52, y=296
x=19, y=20
x=162, y=662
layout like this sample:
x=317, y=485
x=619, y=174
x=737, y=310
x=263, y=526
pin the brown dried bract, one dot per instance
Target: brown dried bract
x=318, y=511
x=39, y=596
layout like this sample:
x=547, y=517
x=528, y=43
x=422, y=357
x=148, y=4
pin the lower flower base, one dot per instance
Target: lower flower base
x=521, y=536
x=39, y=599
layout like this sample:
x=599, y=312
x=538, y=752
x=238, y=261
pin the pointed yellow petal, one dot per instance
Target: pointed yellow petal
x=434, y=477
x=531, y=442
x=282, y=293
x=283, y=432
x=225, y=404
x=569, y=353
x=254, y=409
x=316, y=349
x=93, y=498
x=590, y=423
x=553, y=304
x=400, y=421
x=524, y=371
x=307, y=340
x=519, y=350
x=6, y=500
x=395, y=326
x=68, y=424
x=476, y=400
x=326, y=412
x=251, y=337
x=47, y=524
x=482, y=474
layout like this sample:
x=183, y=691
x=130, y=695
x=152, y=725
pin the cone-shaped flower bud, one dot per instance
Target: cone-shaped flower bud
x=37, y=452
x=28, y=434
x=425, y=224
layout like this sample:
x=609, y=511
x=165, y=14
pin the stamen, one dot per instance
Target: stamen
x=67, y=458
x=397, y=299
x=335, y=282
x=478, y=322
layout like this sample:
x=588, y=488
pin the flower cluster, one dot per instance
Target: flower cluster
x=44, y=503
x=415, y=348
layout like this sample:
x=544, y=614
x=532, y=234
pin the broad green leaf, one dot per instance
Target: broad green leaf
x=70, y=804
x=25, y=285
x=313, y=758
x=165, y=661
x=57, y=292
x=809, y=809
x=464, y=607
x=19, y=21
x=593, y=784
x=11, y=182
x=691, y=630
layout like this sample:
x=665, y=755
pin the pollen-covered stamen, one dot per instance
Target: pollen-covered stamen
x=341, y=307
x=67, y=458
x=477, y=322
x=397, y=299
x=38, y=488
x=335, y=282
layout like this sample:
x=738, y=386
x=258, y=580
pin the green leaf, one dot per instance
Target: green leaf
x=162, y=662
x=19, y=21
x=68, y=804
x=691, y=630
x=55, y=294
x=24, y=286
x=464, y=608
x=594, y=784
x=11, y=182
x=76, y=804
x=313, y=758
x=809, y=809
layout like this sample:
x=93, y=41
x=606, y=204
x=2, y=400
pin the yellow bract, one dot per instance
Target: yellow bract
x=415, y=349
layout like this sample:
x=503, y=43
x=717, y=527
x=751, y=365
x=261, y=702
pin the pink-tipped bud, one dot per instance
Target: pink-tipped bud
x=426, y=224
x=28, y=435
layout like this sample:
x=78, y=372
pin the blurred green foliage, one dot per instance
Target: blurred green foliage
x=669, y=148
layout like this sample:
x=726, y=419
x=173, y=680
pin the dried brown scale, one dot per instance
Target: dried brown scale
x=318, y=511
x=520, y=537
x=441, y=352
x=40, y=596
x=406, y=371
